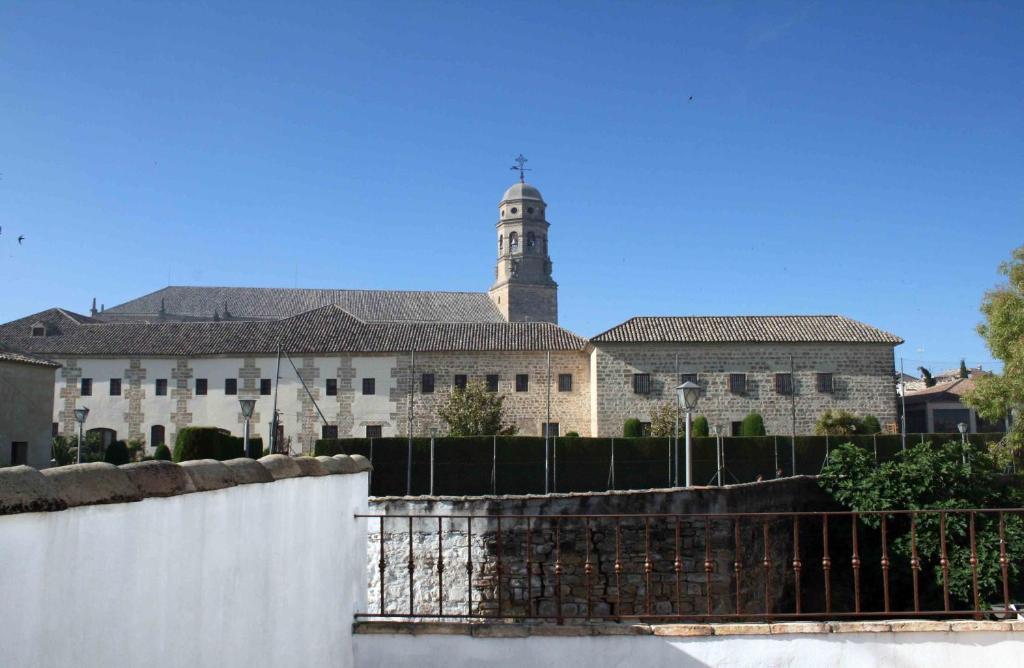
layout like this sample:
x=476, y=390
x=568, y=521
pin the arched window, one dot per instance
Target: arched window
x=156, y=435
x=531, y=241
x=513, y=242
x=106, y=436
x=501, y=243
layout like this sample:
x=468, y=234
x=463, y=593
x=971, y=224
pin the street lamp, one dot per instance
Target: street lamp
x=962, y=428
x=687, y=395
x=80, y=415
x=247, y=406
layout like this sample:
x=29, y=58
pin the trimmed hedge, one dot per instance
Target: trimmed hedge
x=117, y=453
x=463, y=465
x=162, y=452
x=206, y=443
x=632, y=428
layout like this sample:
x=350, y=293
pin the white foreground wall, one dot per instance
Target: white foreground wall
x=253, y=575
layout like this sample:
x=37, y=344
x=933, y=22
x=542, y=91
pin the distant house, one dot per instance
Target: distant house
x=938, y=409
x=26, y=409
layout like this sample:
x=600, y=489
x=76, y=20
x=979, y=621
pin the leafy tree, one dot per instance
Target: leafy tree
x=926, y=376
x=632, y=428
x=699, y=428
x=964, y=373
x=1003, y=330
x=117, y=453
x=870, y=425
x=473, y=411
x=663, y=421
x=924, y=476
x=752, y=425
x=62, y=450
x=839, y=423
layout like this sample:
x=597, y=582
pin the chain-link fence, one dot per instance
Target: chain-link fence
x=519, y=464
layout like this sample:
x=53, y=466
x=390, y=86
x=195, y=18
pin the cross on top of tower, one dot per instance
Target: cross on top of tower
x=521, y=168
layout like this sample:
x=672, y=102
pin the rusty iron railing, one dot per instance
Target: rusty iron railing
x=694, y=567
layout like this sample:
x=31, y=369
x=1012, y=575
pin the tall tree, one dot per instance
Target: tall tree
x=964, y=373
x=997, y=395
x=474, y=411
x=926, y=376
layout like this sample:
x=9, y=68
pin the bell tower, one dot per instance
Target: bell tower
x=523, y=289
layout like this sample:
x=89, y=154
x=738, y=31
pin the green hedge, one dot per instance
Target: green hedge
x=463, y=465
x=206, y=443
x=117, y=453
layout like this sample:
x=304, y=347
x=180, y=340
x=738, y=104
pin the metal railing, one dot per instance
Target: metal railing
x=696, y=567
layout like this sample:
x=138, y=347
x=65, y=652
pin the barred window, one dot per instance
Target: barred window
x=688, y=378
x=332, y=387
x=738, y=383
x=784, y=383
x=161, y=387
x=522, y=382
x=565, y=382
x=265, y=386
x=427, y=383
x=460, y=381
x=230, y=386
x=115, y=387
x=200, y=386
x=86, y=387
x=373, y=431
x=825, y=383
x=641, y=383
x=492, y=382
x=369, y=386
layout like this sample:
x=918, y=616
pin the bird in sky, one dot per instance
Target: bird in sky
x=21, y=238
x=691, y=98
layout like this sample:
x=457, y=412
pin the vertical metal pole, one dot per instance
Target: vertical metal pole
x=408, y=463
x=432, y=466
x=689, y=454
x=81, y=426
x=675, y=476
x=718, y=460
x=792, y=403
x=613, y=463
x=274, y=445
x=494, y=464
x=903, y=407
x=547, y=428
x=245, y=440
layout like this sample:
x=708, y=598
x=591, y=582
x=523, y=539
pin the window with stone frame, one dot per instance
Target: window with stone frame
x=522, y=382
x=565, y=382
x=156, y=435
x=369, y=386
x=231, y=386
x=491, y=380
x=86, y=387
x=427, y=383
x=825, y=383
x=265, y=386
x=549, y=429
x=115, y=387
x=201, y=386
x=161, y=387
x=738, y=383
x=374, y=431
x=332, y=387
x=736, y=427
x=784, y=383
x=329, y=431
x=460, y=381
x=641, y=383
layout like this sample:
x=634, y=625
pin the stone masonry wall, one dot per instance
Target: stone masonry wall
x=863, y=378
x=534, y=588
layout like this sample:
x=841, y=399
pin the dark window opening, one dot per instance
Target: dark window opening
x=641, y=383
x=200, y=387
x=522, y=382
x=565, y=382
x=460, y=381
x=550, y=429
x=332, y=387
x=161, y=387
x=826, y=384
x=115, y=387
x=265, y=386
x=427, y=383
x=369, y=386
x=784, y=383
x=738, y=383
x=19, y=453
x=492, y=382
x=156, y=435
x=736, y=427
x=329, y=431
x=373, y=431
x=645, y=428
x=86, y=387
x=230, y=386
x=39, y=331
x=55, y=429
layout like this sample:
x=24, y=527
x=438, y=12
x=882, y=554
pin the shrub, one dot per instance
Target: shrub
x=206, y=443
x=117, y=453
x=62, y=451
x=837, y=423
x=699, y=428
x=473, y=411
x=162, y=453
x=870, y=425
x=752, y=425
x=571, y=434
x=632, y=428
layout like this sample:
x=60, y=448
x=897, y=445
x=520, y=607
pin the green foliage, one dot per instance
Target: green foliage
x=62, y=450
x=117, y=453
x=752, y=425
x=473, y=411
x=162, y=453
x=926, y=376
x=838, y=423
x=1003, y=330
x=571, y=434
x=699, y=428
x=924, y=476
x=632, y=428
x=206, y=443
x=964, y=373
x=136, y=449
x=870, y=425
x=663, y=419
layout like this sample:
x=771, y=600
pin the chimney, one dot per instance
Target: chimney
x=92, y=310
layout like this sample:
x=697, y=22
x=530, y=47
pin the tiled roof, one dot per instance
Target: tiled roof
x=8, y=356
x=324, y=330
x=745, y=329
x=958, y=387
x=191, y=302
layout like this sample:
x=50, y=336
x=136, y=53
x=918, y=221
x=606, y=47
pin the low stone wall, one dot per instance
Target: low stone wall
x=644, y=549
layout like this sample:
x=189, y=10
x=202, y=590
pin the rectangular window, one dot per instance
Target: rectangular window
x=19, y=453
x=565, y=382
x=161, y=387
x=522, y=382
x=55, y=430
x=784, y=383
x=492, y=382
x=369, y=386
x=265, y=386
x=427, y=383
x=200, y=387
x=550, y=429
x=736, y=427
x=460, y=381
x=738, y=383
x=115, y=387
x=329, y=431
x=87, y=387
x=645, y=428
x=688, y=378
x=373, y=431
x=641, y=383
x=332, y=387
x=230, y=386
x=825, y=383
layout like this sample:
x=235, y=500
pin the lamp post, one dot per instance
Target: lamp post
x=80, y=415
x=962, y=428
x=687, y=395
x=247, y=406
x=718, y=455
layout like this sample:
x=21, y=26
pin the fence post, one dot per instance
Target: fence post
x=775, y=447
x=672, y=482
x=611, y=472
x=369, y=478
x=922, y=437
x=874, y=442
x=494, y=464
x=554, y=464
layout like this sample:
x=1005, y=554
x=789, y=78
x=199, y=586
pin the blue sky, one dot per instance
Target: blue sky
x=863, y=159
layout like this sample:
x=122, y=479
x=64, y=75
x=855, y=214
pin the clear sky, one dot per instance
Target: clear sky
x=864, y=159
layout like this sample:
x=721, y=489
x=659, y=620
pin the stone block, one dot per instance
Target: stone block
x=860, y=627
x=208, y=474
x=918, y=626
x=978, y=625
x=784, y=628
x=500, y=631
x=310, y=466
x=157, y=478
x=746, y=629
x=362, y=463
x=348, y=464
x=331, y=465
x=611, y=629
x=25, y=490
x=248, y=471
x=92, y=483
x=681, y=629
x=281, y=466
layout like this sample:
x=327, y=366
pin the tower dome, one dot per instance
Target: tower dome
x=522, y=191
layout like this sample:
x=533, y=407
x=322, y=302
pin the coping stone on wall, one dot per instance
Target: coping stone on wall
x=248, y=471
x=348, y=464
x=93, y=483
x=362, y=462
x=331, y=465
x=25, y=490
x=157, y=478
x=310, y=466
x=208, y=474
x=281, y=466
